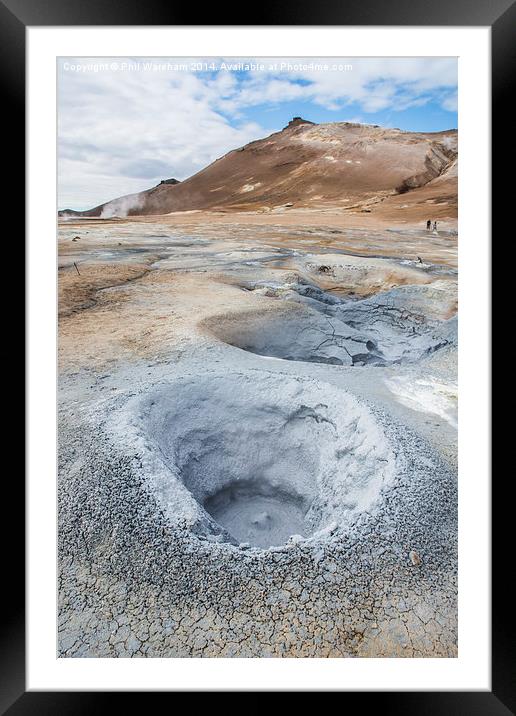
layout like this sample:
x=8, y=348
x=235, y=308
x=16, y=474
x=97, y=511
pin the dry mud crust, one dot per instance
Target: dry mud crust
x=133, y=583
x=79, y=287
x=390, y=327
x=291, y=332
x=358, y=274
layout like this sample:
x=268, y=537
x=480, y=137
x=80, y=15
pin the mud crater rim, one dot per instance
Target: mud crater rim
x=264, y=457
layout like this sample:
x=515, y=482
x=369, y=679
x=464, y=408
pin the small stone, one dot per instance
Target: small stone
x=414, y=558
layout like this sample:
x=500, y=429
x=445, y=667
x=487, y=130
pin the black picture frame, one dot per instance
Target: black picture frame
x=500, y=15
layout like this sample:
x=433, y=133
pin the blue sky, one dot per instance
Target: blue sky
x=126, y=123
x=430, y=118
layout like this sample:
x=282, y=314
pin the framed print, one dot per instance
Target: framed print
x=258, y=364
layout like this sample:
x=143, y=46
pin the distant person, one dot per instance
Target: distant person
x=435, y=225
x=428, y=225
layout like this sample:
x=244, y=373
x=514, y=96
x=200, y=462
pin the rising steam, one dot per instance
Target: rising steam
x=122, y=206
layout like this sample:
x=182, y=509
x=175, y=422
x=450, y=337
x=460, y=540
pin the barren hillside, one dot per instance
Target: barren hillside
x=352, y=167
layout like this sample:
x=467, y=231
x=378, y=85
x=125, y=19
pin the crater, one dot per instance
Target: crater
x=310, y=325
x=298, y=334
x=262, y=457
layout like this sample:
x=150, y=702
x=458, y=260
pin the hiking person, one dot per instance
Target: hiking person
x=428, y=224
x=435, y=225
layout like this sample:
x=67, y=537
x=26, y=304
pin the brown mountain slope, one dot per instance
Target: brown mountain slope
x=342, y=165
x=438, y=199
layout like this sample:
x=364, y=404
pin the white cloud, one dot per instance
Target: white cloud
x=372, y=83
x=450, y=102
x=123, y=131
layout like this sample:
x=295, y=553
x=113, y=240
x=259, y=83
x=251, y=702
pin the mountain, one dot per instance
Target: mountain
x=341, y=165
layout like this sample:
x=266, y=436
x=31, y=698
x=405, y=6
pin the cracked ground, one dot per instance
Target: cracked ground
x=155, y=304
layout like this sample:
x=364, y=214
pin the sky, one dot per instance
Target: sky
x=126, y=123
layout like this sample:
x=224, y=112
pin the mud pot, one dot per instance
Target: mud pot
x=258, y=439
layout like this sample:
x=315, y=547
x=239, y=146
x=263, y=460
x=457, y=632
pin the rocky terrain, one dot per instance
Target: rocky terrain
x=258, y=410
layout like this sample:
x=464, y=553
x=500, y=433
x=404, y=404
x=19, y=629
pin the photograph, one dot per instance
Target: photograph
x=257, y=272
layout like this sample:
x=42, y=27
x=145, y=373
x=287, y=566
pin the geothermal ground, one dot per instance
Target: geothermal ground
x=258, y=436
